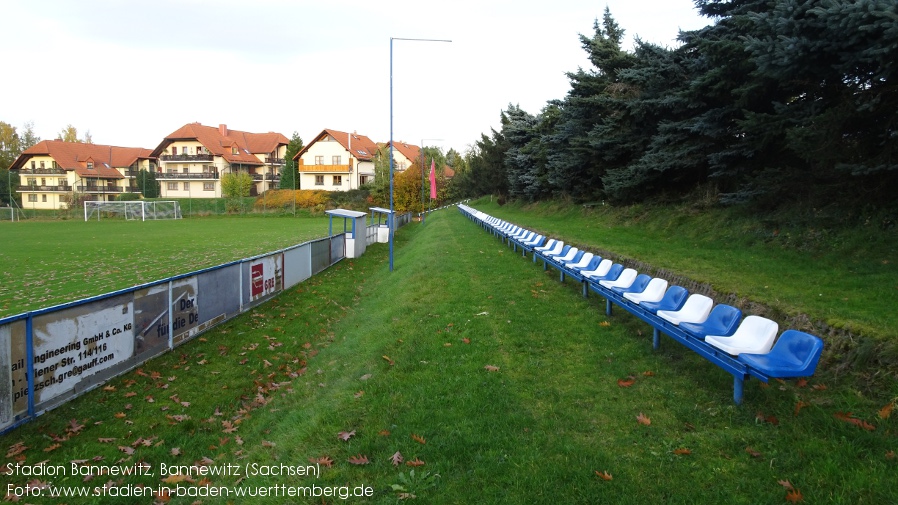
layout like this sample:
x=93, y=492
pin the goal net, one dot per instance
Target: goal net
x=132, y=211
x=11, y=213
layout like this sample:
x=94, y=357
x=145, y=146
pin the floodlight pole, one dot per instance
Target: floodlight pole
x=392, y=218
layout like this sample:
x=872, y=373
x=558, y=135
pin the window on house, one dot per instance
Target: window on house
x=338, y=180
x=363, y=179
x=174, y=150
x=61, y=181
x=208, y=186
x=319, y=180
x=319, y=160
x=32, y=165
x=43, y=198
x=42, y=165
x=173, y=186
x=336, y=160
x=184, y=169
x=90, y=164
x=54, y=164
x=43, y=181
x=32, y=198
x=186, y=186
x=32, y=181
x=234, y=150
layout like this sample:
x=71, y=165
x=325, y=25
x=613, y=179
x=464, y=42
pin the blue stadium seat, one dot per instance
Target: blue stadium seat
x=723, y=320
x=673, y=299
x=612, y=274
x=795, y=354
x=638, y=286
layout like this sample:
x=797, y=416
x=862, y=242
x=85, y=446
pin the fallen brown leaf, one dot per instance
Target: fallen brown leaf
x=886, y=412
x=359, y=460
x=323, y=461
x=794, y=496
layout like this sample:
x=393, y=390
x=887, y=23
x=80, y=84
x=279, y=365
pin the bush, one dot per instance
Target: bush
x=283, y=198
x=127, y=197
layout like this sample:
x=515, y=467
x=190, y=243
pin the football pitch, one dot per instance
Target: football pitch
x=46, y=263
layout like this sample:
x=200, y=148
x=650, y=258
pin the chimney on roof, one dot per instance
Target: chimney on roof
x=223, y=130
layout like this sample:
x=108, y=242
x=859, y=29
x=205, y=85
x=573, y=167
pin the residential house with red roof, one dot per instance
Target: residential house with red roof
x=192, y=159
x=52, y=172
x=336, y=161
x=404, y=155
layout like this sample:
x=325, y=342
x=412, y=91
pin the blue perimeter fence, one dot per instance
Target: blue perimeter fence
x=52, y=355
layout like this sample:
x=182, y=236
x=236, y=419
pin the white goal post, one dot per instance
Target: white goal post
x=15, y=213
x=133, y=210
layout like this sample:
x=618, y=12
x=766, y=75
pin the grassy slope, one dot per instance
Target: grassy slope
x=51, y=262
x=842, y=284
x=391, y=355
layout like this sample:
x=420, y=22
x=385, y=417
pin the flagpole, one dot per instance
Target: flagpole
x=392, y=221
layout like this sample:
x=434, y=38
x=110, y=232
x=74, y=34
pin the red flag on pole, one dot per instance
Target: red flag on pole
x=433, y=180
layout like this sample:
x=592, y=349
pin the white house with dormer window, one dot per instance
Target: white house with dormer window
x=336, y=161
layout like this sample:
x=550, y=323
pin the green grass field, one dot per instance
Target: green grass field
x=498, y=383
x=50, y=262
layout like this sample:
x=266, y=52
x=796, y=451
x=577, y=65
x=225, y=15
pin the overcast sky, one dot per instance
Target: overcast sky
x=133, y=71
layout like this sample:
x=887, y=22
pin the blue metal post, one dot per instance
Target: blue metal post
x=391, y=154
x=29, y=362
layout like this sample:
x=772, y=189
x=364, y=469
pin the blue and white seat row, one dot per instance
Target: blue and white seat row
x=744, y=347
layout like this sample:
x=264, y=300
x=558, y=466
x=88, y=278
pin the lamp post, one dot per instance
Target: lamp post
x=392, y=217
x=422, y=178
